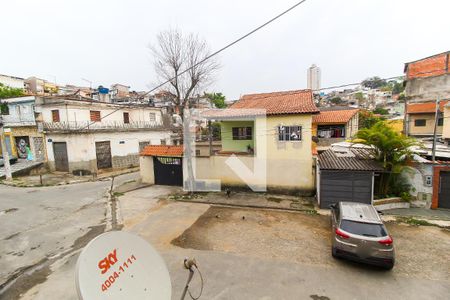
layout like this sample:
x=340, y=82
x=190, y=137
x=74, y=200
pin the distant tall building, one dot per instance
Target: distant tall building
x=314, y=78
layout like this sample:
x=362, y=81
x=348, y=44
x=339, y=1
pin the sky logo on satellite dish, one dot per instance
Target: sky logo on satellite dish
x=108, y=261
x=118, y=265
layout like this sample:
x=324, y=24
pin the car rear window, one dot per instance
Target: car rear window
x=365, y=229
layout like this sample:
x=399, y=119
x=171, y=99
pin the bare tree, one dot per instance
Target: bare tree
x=184, y=62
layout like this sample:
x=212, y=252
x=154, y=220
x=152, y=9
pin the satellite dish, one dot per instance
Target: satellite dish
x=120, y=265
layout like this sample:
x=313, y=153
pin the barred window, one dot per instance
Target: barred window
x=242, y=133
x=290, y=133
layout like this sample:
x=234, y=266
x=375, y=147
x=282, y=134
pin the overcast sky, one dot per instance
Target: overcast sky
x=107, y=42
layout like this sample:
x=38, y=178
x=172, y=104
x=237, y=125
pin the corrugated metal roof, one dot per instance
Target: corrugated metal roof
x=351, y=160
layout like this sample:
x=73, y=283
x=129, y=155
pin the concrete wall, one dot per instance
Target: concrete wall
x=428, y=89
x=423, y=130
x=289, y=175
x=124, y=147
x=228, y=144
x=415, y=175
x=146, y=169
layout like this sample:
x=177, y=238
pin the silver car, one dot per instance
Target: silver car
x=360, y=235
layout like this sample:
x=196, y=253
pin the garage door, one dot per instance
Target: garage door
x=168, y=170
x=338, y=186
x=444, y=190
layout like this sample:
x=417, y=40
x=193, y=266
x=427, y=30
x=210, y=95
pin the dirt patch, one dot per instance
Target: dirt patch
x=421, y=251
x=261, y=233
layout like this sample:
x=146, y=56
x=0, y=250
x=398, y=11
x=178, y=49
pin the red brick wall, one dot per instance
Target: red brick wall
x=432, y=66
x=436, y=174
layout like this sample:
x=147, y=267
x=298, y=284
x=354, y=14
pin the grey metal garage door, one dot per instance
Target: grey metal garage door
x=350, y=186
x=444, y=190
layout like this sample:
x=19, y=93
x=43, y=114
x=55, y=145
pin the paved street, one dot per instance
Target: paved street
x=233, y=274
x=38, y=226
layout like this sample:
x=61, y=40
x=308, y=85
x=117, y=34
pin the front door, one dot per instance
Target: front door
x=103, y=152
x=444, y=190
x=61, y=158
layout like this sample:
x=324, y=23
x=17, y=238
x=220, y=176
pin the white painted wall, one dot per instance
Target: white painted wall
x=81, y=147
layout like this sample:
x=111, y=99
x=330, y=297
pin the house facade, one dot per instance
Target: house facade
x=92, y=136
x=427, y=81
x=23, y=133
x=282, y=139
x=334, y=125
x=421, y=118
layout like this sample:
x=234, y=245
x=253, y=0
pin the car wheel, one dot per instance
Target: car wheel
x=388, y=267
x=333, y=252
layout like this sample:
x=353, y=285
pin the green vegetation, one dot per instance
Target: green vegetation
x=394, y=86
x=217, y=99
x=367, y=119
x=336, y=100
x=380, y=111
x=118, y=194
x=5, y=93
x=415, y=222
x=391, y=149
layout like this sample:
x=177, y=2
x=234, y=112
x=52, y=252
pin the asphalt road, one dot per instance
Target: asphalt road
x=39, y=226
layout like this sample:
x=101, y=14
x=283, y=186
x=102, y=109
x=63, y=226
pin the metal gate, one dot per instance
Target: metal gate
x=444, y=190
x=61, y=158
x=168, y=170
x=348, y=186
x=39, y=150
x=103, y=153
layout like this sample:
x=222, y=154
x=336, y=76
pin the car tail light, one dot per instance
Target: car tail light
x=341, y=234
x=386, y=241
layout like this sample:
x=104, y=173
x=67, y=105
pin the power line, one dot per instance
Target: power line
x=221, y=50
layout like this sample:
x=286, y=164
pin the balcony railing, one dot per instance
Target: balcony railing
x=73, y=126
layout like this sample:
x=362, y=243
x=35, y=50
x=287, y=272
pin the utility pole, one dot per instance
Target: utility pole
x=5, y=153
x=210, y=137
x=435, y=129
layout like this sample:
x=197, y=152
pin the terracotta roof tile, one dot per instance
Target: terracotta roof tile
x=162, y=150
x=288, y=102
x=334, y=116
x=423, y=108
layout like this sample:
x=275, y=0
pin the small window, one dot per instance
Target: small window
x=440, y=121
x=152, y=117
x=4, y=109
x=163, y=142
x=95, y=116
x=420, y=122
x=290, y=133
x=242, y=133
x=335, y=131
x=126, y=118
x=197, y=152
x=55, y=115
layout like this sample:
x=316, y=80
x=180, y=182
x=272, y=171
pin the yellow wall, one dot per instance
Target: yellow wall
x=423, y=130
x=12, y=143
x=289, y=164
x=396, y=125
x=446, y=129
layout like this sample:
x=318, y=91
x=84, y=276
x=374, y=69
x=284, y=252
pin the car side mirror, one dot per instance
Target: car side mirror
x=380, y=212
x=332, y=206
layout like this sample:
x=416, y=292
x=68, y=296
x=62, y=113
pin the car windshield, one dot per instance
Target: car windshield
x=365, y=229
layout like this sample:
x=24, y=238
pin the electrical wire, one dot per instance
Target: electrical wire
x=221, y=49
x=201, y=287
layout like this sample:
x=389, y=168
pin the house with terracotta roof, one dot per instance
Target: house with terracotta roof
x=420, y=118
x=333, y=125
x=272, y=127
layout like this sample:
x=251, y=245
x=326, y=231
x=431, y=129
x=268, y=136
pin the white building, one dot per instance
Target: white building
x=11, y=81
x=92, y=135
x=314, y=78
